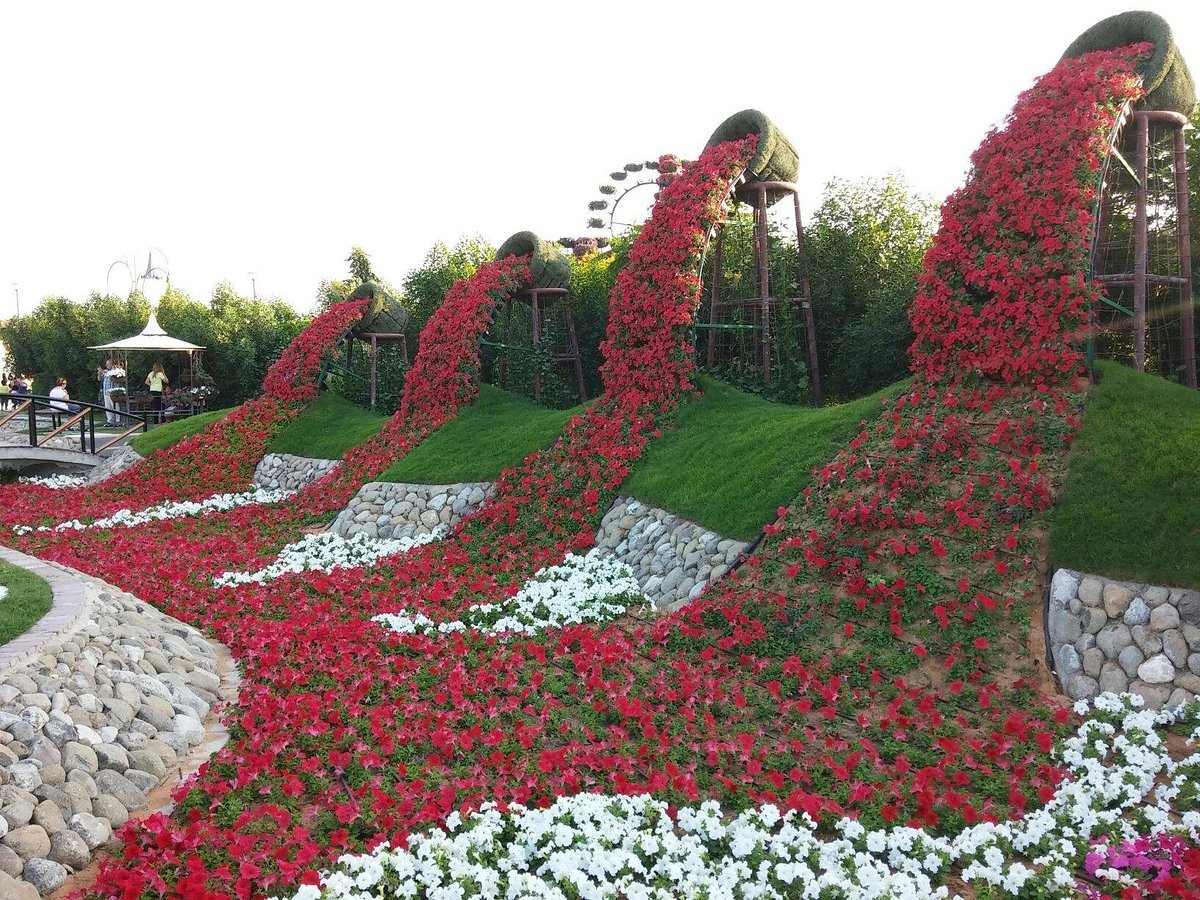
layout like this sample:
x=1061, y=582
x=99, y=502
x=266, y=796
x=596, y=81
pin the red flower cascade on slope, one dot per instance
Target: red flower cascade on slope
x=856, y=666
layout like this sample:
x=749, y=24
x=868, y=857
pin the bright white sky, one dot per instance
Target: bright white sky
x=270, y=137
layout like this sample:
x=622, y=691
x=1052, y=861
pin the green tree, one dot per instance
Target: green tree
x=425, y=287
x=866, y=243
x=335, y=290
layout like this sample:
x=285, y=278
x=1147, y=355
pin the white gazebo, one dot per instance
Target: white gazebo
x=152, y=338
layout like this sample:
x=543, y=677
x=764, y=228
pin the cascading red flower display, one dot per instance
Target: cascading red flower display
x=862, y=663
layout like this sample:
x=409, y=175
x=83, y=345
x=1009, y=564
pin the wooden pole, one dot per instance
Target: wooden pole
x=1183, y=230
x=814, y=363
x=762, y=249
x=1140, y=243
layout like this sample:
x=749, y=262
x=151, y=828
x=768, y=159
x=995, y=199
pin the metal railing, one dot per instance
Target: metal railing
x=42, y=411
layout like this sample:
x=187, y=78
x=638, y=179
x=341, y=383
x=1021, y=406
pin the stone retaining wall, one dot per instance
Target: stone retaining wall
x=283, y=471
x=673, y=559
x=115, y=462
x=91, y=720
x=388, y=510
x=1108, y=635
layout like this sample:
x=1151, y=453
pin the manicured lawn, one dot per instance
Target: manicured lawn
x=733, y=459
x=27, y=600
x=497, y=432
x=173, y=432
x=327, y=429
x=1129, y=508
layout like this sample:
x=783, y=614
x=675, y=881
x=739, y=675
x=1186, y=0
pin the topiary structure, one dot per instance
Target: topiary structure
x=547, y=267
x=1168, y=82
x=385, y=315
x=774, y=160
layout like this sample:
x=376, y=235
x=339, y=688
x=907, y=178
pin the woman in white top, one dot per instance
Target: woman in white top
x=60, y=396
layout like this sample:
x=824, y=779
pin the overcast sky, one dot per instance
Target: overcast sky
x=263, y=137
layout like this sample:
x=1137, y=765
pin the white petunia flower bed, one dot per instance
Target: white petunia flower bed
x=1124, y=784
x=55, y=482
x=591, y=588
x=127, y=518
x=328, y=551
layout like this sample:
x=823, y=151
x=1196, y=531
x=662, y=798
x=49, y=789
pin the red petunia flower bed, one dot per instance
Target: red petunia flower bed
x=874, y=659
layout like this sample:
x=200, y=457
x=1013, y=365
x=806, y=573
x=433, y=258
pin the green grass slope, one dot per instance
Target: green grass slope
x=495, y=433
x=28, y=599
x=329, y=427
x=733, y=459
x=1131, y=505
x=172, y=433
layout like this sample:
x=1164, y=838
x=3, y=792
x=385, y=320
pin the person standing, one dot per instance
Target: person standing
x=157, y=381
x=5, y=390
x=105, y=376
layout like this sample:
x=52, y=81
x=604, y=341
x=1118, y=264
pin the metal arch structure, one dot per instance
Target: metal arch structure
x=1147, y=127
x=758, y=195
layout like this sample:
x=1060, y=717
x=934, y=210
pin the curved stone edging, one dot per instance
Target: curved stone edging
x=384, y=509
x=284, y=471
x=69, y=601
x=673, y=559
x=95, y=717
x=1109, y=635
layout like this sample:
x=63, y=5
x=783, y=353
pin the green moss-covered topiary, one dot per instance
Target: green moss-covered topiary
x=547, y=267
x=1169, y=84
x=774, y=160
x=386, y=315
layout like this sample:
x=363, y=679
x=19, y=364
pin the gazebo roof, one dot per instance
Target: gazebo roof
x=152, y=337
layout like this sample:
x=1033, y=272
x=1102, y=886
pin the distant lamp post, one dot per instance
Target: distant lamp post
x=153, y=282
x=17, y=294
x=253, y=286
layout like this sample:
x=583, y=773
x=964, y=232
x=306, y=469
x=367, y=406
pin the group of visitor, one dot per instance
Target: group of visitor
x=13, y=386
x=113, y=391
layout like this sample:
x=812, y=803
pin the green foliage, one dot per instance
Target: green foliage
x=329, y=427
x=354, y=381
x=360, y=265
x=1168, y=82
x=243, y=336
x=28, y=599
x=335, y=290
x=737, y=360
x=592, y=277
x=425, y=287
x=1128, y=508
x=731, y=459
x=172, y=433
x=865, y=244
x=495, y=433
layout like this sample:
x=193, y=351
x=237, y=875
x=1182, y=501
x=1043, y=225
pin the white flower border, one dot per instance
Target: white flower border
x=54, y=482
x=591, y=588
x=1124, y=784
x=328, y=551
x=127, y=518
